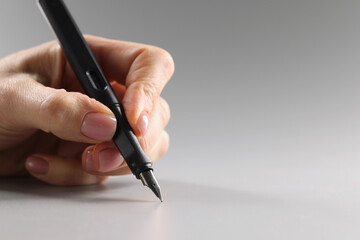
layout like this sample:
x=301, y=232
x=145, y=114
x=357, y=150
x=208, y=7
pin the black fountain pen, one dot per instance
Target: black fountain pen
x=95, y=84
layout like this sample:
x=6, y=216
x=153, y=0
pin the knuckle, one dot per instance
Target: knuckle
x=166, y=60
x=56, y=108
x=161, y=56
x=149, y=89
x=156, y=68
x=57, y=59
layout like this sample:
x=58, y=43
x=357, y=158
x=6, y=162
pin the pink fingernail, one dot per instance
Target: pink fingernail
x=37, y=165
x=98, y=126
x=110, y=159
x=143, y=123
x=89, y=161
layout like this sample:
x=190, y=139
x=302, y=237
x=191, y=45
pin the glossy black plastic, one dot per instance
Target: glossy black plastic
x=94, y=81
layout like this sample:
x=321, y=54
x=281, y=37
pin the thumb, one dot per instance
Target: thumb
x=70, y=116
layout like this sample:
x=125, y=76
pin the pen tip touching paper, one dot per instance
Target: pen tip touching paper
x=149, y=180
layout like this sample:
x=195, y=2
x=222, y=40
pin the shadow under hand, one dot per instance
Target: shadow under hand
x=205, y=211
x=125, y=190
x=29, y=188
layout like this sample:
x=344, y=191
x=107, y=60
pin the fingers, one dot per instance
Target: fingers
x=157, y=122
x=60, y=171
x=146, y=78
x=104, y=159
x=68, y=115
x=142, y=68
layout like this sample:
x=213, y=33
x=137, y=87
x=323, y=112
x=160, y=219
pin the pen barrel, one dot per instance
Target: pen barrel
x=94, y=82
x=77, y=52
x=131, y=150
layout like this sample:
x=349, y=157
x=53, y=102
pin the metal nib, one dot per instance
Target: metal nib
x=148, y=179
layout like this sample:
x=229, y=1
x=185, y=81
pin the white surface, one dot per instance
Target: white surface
x=293, y=202
x=265, y=128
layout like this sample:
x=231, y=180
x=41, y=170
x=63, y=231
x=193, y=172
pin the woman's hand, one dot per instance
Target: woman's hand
x=63, y=137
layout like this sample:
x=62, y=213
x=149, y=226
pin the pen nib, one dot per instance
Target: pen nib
x=148, y=179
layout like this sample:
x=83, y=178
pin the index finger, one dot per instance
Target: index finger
x=143, y=69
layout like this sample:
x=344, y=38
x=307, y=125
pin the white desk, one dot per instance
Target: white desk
x=294, y=203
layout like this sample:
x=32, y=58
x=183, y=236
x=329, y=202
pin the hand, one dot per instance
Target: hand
x=50, y=129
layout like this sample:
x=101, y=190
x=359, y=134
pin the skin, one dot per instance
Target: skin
x=43, y=109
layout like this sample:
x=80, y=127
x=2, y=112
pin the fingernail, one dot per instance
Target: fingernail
x=143, y=123
x=89, y=161
x=98, y=126
x=110, y=159
x=37, y=165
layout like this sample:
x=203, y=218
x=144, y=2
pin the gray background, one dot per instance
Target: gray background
x=265, y=128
